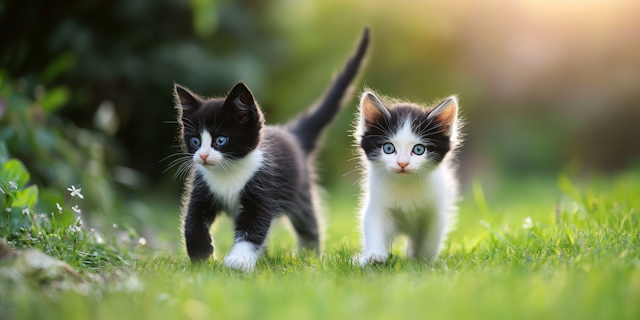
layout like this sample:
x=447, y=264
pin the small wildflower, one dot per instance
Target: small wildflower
x=26, y=211
x=142, y=241
x=76, y=192
x=8, y=209
x=76, y=209
x=13, y=185
x=528, y=223
x=115, y=226
x=42, y=216
x=59, y=207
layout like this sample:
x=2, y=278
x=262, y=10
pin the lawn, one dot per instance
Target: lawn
x=525, y=248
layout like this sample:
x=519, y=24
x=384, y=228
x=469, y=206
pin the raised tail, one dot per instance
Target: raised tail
x=308, y=127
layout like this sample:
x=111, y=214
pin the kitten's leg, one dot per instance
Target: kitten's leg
x=305, y=223
x=433, y=238
x=201, y=213
x=252, y=227
x=377, y=232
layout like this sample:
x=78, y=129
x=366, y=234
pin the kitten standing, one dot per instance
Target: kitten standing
x=251, y=171
x=409, y=184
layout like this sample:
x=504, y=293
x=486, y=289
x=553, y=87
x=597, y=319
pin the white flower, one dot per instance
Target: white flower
x=59, y=207
x=142, y=241
x=13, y=185
x=76, y=192
x=42, y=216
x=528, y=223
x=26, y=211
x=76, y=209
x=115, y=226
x=8, y=209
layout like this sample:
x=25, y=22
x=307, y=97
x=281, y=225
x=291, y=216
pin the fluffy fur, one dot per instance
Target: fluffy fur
x=409, y=184
x=250, y=171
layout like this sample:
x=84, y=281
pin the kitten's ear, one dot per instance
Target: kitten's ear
x=446, y=113
x=185, y=99
x=241, y=102
x=372, y=109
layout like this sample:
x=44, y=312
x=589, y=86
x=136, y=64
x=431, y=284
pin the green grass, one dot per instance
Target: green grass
x=579, y=259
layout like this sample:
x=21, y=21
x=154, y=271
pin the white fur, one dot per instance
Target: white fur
x=420, y=202
x=242, y=257
x=226, y=179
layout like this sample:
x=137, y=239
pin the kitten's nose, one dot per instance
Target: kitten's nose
x=204, y=155
x=403, y=164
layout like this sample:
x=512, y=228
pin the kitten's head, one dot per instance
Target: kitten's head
x=406, y=139
x=217, y=131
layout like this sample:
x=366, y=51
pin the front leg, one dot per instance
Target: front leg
x=252, y=226
x=200, y=214
x=377, y=233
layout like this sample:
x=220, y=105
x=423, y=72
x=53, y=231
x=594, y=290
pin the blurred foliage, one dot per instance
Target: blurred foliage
x=60, y=233
x=59, y=153
x=87, y=85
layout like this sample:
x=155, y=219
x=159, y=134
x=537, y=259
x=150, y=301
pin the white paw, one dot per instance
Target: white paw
x=373, y=257
x=242, y=257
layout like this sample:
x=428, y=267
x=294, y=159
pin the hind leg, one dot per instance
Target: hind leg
x=306, y=225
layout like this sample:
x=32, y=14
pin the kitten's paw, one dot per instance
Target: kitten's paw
x=373, y=257
x=242, y=257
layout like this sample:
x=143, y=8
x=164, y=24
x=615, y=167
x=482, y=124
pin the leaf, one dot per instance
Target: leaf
x=14, y=170
x=61, y=64
x=55, y=98
x=26, y=197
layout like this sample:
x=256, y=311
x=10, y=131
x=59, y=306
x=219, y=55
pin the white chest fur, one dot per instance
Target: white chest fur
x=427, y=195
x=226, y=182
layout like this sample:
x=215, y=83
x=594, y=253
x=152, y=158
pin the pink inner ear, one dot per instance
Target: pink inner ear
x=370, y=112
x=447, y=117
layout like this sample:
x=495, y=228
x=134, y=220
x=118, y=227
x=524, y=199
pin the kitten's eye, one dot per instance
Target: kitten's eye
x=418, y=149
x=221, y=141
x=388, y=148
x=195, y=142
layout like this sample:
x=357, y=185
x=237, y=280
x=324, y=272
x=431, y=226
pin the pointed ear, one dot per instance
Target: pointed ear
x=185, y=99
x=241, y=102
x=372, y=109
x=446, y=113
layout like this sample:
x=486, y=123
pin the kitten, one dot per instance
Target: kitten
x=250, y=171
x=409, y=184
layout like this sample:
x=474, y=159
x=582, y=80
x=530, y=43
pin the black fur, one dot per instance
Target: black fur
x=282, y=185
x=310, y=124
x=383, y=127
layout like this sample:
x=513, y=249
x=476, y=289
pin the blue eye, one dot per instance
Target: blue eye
x=195, y=142
x=388, y=148
x=419, y=149
x=221, y=141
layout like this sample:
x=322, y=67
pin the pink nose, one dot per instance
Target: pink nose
x=204, y=156
x=403, y=164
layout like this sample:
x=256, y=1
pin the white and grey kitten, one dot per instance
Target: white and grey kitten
x=409, y=184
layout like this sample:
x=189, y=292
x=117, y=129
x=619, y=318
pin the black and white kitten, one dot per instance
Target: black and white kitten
x=251, y=171
x=409, y=183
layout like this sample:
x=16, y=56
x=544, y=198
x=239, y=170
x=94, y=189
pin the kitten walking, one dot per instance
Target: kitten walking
x=409, y=184
x=251, y=171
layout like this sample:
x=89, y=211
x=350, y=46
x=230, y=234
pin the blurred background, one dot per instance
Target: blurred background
x=86, y=87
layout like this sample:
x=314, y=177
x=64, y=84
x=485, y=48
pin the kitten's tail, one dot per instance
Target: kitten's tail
x=308, y=127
